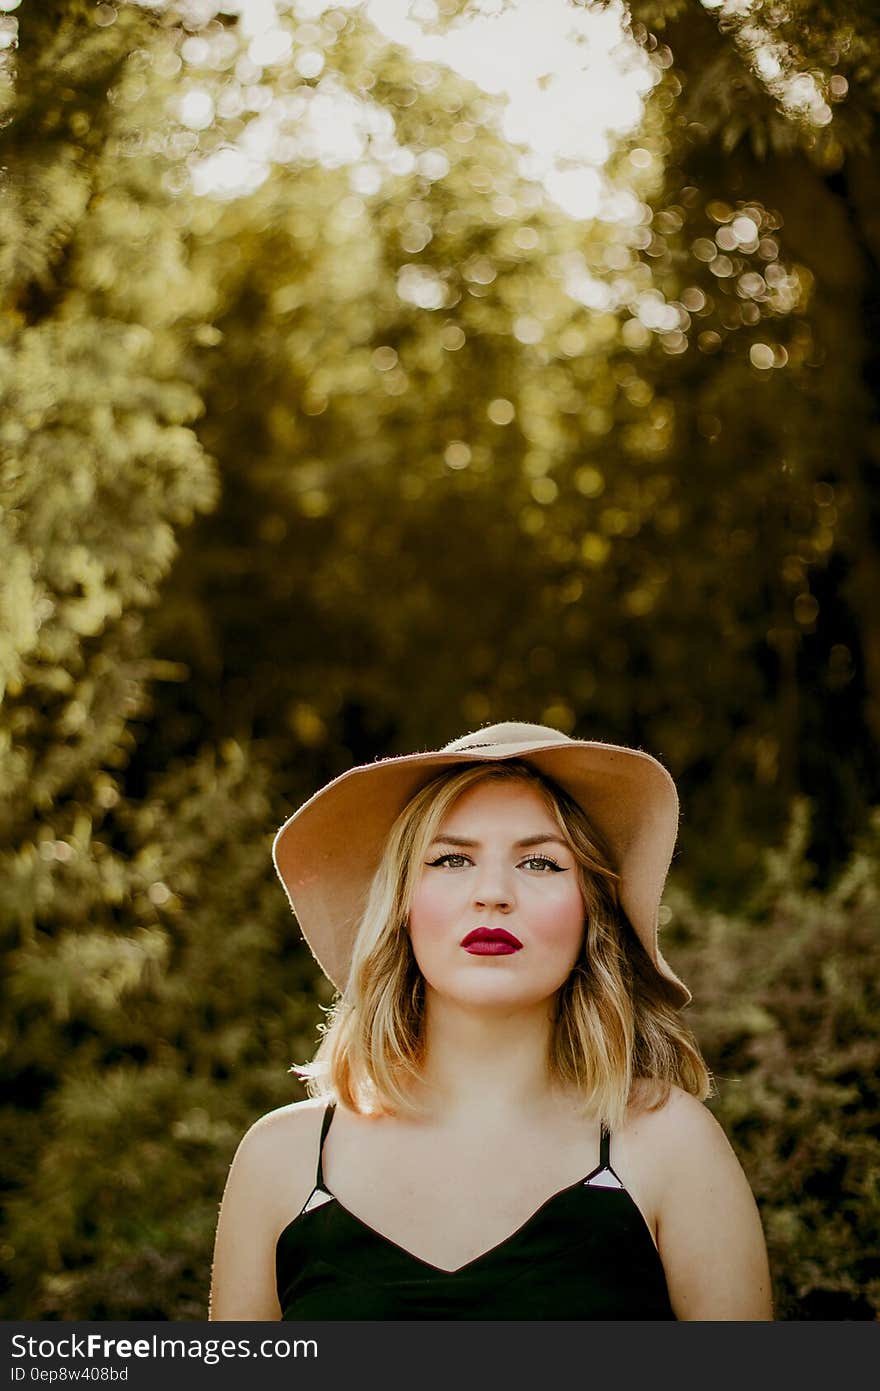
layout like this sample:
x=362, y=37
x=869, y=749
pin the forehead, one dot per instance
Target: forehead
x=504, y=800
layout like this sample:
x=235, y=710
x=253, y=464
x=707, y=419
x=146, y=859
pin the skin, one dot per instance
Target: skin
x=477, y=875
x=487, y=1096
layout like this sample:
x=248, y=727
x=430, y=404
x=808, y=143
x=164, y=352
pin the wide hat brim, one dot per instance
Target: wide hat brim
x=328, y=851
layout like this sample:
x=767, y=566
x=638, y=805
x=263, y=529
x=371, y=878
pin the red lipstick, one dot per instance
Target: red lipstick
x=491, y=941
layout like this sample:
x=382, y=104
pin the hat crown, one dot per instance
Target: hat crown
x=508, y=732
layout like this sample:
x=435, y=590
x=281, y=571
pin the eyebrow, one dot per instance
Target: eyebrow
x=519, y=844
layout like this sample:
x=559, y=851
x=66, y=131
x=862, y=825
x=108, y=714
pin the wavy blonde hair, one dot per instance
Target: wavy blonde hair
x=616, y=1025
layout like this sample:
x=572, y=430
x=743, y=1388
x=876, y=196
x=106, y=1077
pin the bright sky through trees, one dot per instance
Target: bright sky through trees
x=573, y=78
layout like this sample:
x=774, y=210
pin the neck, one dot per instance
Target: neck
x=486, y=1064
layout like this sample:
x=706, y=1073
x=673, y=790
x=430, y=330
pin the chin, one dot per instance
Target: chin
x=497, y=993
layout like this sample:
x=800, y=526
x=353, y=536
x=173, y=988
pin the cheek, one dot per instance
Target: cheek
x=559, y=918
x=429, y=913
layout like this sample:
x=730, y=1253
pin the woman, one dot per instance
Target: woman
x=505, y=1117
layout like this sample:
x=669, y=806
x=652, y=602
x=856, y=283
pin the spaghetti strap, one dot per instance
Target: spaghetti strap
x=605, y=1149
x=329, y=1109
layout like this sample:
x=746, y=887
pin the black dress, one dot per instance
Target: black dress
x=586, y=1253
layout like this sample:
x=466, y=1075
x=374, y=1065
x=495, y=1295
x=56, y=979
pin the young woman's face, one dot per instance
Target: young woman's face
x=499, y=871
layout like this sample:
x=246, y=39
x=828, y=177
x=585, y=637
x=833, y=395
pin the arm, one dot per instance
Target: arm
x=709, y=1232
x=268, y=1181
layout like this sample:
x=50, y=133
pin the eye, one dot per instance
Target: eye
x=542, y=863
x=545, y=863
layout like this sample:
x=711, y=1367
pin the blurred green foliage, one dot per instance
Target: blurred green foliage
x=787, y=1001
x=357, y=451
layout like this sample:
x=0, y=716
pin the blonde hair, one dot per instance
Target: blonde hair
x=616, y=1026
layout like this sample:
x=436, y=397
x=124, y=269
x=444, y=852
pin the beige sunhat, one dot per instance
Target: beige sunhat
x=327, y=852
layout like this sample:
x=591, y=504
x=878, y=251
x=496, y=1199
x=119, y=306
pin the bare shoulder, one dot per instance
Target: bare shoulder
x=681, y=1122
x=273, y=1168
x=708, y=1229
x=277, y=1155
x=663, y=1146
x=296, y=1119
x=269, y=1180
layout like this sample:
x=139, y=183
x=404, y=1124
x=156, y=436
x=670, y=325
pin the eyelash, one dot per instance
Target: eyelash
x=541, y=859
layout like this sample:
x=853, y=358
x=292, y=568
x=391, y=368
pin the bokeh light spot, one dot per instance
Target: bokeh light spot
x=500, y=411
x=452, y=337
x=595, y=548
x=384, y=358
x=457, y=454
x=544, y=490
x=704, y=249
x=761, y=356
x=589, y=481
x=806, y=610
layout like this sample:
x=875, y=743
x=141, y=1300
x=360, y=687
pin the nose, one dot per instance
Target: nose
x=493, y=888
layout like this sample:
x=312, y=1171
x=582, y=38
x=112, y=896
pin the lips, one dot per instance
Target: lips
x=489, y=941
